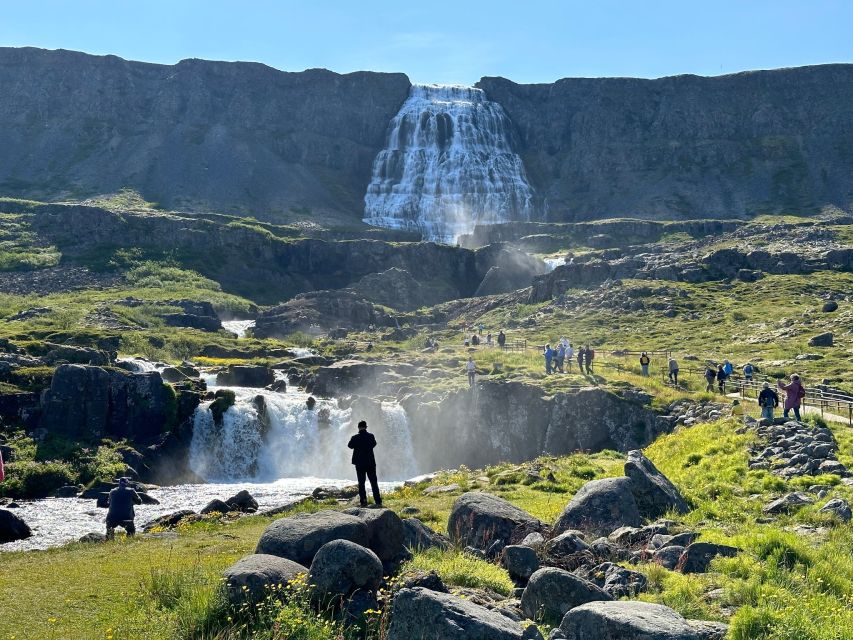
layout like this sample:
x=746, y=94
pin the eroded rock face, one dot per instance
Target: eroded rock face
x=600, y=507
x=480, y=519
x=561, y=125
x=96, y=402
x=299, y=537
x=429, y=615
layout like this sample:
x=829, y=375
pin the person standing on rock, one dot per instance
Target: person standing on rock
x=768, y=400
x=471, y=367
x=120, y=512
x=644, y=364
x=794, y=394
x=362, y=445
x=673, y=371
x=710, y=376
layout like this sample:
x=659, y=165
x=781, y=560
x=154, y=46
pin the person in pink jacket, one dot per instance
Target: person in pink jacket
x=794, y=394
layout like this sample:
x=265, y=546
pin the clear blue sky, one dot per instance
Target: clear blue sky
x=449, y=41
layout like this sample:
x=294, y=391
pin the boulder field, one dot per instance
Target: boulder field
x=568, y=579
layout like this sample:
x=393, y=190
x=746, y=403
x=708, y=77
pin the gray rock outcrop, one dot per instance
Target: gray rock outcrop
x=654, y=493
x=551, y=592
x=429, y=615
x=341, y=567
x=480, y=519
x=631, y=620
x=299, y=537
x=257, y=576
x=600, y=507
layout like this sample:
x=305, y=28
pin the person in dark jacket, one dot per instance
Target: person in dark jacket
x=721, y=378
x=120, y=512
x=501, y=339
x=768, y=400
x=588, y=355
x=710, y=376
x=362, y=445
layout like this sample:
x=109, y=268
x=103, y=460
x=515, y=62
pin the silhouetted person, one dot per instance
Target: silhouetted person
x=501, y=339
x=362, y=445
x=588, y=355
x=120, y=512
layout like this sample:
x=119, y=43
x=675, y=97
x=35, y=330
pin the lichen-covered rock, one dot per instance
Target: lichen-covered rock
x=299, y=537
x=551, y=592
x=839, y=508
x=479, y=519
x=418, y=536
x=422, y=614
x=600, y=507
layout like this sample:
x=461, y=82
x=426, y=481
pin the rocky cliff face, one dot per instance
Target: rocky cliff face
x=201, y=134
x=761, y=141
x=515, y=422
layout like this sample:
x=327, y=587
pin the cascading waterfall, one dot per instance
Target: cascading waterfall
x=290, y=440
x=448, y=164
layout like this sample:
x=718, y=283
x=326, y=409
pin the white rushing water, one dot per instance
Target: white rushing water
x=293, y=440
x=238, y=327
x=448, y=164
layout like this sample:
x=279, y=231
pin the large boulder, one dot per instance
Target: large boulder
x=551, y=592
x=94, y=402
x=12, y=527
x=481, y=519
x=422, y=614
x=248, y=375
x=256, y=576
x=654, y=493
x=341, y=567
x=299, y=537
x=242, y=501
x=386, y=535
x=419, y=536
x=631, y=620
x=821, y=340
x=600, y=507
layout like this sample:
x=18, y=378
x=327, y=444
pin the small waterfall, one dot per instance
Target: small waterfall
x=238, y=327
x=448, y=164
x=140, y=365
x=285, y=439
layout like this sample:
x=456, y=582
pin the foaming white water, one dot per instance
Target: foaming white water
x=141, y=365
x=448, y=165
x=553, y=263
x=286, y=439
x=238, y=327
x=58, y=521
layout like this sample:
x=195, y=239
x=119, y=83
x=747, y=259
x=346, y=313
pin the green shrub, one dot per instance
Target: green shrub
x=223, y=399
x=28, y=479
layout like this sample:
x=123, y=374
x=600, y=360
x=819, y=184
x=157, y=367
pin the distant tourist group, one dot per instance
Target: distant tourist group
x=561, y=356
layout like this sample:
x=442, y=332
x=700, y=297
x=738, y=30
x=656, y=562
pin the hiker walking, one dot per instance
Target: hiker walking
x=589, y=354
x=748, y=370
x=710, y=376
x=728, y=368
x=721, y=378
x=768, y=400
x=501, y=338
x=570, y=355
x=120, y=512
x=472, y=371
x=549, y=356
x=580, y=359
x=673, y=371
x=794, y=394
x=362, y=445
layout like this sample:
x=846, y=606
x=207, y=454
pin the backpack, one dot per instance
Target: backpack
x=801, y=392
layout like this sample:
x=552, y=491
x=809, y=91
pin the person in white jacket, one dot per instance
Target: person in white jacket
x=472, y=370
